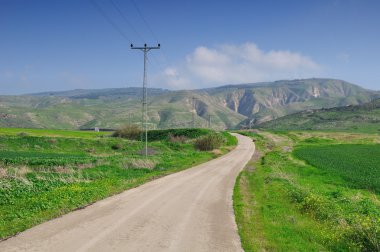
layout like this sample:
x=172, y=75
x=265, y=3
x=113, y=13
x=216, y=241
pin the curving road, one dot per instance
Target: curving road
x=186, y=211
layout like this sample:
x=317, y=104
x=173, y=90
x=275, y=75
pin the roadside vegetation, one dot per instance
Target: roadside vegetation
x=43, y=177
x=310, y=191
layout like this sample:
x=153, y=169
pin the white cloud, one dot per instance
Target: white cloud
x=229, y=64
x=172, y=79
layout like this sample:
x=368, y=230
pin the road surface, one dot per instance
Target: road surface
x=186, y=211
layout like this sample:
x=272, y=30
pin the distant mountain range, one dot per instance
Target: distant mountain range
x=360, y=118
x=227, y=106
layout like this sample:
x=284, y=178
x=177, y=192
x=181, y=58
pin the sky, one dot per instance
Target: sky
x=82, y=44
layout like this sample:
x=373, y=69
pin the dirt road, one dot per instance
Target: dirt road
x=187, y=211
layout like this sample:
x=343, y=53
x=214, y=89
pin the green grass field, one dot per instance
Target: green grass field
x=52, y=133
x=41, y=158
x=47, y=173
x=359, y=164
x=310, y=191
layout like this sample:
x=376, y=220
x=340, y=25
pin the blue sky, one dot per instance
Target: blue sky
x=67, y=44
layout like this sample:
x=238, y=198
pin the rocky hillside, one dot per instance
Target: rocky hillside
x=361, y=118
x=265, y=101
x=226, y=106
x=87, y=110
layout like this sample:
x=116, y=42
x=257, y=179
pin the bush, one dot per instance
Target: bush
x=177, y=139
x=209, y=142
x=22, y=134
x=162, y=135
x=129, y=131
x=116, y=147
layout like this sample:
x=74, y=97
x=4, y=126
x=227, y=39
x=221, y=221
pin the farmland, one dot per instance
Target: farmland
x=359, y=164
x=47, y=173
x=310, y=191
x=44, y=159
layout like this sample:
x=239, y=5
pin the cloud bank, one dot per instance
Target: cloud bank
x=230, y=64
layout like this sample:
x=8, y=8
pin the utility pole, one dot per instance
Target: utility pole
x=209, y=121
x=130, y=118
x=193, y=119
x=144, y=118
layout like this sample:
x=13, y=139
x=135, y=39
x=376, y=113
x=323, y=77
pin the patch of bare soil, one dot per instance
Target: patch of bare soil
x=136, y=163
x=217, y=152
x=3, y=173
x=150, y=151
x=251, y=164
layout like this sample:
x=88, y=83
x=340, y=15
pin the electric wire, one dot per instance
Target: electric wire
x=144, y=20
x=154, y=36
x=126, y=19
x=113, y=24
x=155, y=62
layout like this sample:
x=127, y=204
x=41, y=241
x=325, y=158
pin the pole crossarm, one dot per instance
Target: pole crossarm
x=145, y=47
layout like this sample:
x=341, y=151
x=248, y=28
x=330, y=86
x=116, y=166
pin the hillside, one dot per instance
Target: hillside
x=265, y=101
x=227, y=106
x=361, y=118
x=80, y=109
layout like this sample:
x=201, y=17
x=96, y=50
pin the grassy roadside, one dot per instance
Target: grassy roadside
x=45, y=177
x=283, y=203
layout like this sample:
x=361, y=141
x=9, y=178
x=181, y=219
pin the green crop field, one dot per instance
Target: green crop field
x=52, y=133
x=42, y=158
x=47, y=173
x=310, y=191
x=359, y=164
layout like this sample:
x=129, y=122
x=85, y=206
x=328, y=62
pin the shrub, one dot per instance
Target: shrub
x=129, y=131
x=160, y=135
x=52, y=141
x=22, y=134
x=177, y=139
x=116, y=146
x=209, y=142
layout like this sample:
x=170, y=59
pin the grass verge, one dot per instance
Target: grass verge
x=45, y=177
x=283, y=203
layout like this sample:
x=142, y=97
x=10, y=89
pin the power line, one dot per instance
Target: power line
x=126, y=19
x=153, y=34
x=144, y=20
x=155, y=61
x=113, y=24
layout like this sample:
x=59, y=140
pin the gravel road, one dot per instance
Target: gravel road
x=186, y=211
